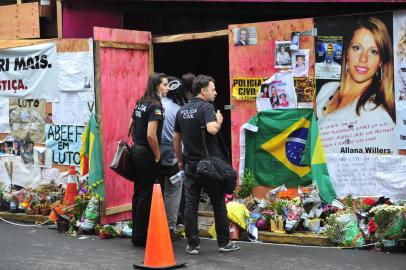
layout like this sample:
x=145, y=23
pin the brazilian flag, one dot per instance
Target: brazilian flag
x=314, y=155
x=275, y=141
x=91, y=161
x=275, y=144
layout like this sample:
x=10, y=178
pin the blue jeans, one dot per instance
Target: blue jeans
x=192, y=197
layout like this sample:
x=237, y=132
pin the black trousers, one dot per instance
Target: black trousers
x=146, y=177
x=192, y=197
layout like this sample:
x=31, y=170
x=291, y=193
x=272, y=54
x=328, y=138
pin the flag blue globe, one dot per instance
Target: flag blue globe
x=295, y=145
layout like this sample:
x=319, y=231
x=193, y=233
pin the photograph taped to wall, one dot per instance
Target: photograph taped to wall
x=42, y=157
x=282, y=54
x=300, y=64
x=245, y=36
x=295, y=41
x=328, y=57
x=359, y=121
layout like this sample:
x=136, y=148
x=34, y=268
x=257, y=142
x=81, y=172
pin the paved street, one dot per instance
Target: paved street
x=38, y=248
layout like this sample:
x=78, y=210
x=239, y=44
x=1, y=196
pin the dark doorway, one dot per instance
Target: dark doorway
x=204, y=56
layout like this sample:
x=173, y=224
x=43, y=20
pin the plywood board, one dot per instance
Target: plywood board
x=19, y=21
x=121, y=77
x=258, y=61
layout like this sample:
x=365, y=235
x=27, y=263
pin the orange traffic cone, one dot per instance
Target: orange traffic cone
x=159, y=252
x=71, y=187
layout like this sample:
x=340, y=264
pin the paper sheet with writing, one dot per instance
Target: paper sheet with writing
x=368, y=175
x=27, y=119
x=72, y=108
x=75, y=71
x=4, y=115
x=23, y=175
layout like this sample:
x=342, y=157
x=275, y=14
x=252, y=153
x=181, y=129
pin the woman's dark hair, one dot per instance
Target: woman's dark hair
x=282, y=95
x=176, y=91
x=200, y=82
x=187, y=81
x=151, y=91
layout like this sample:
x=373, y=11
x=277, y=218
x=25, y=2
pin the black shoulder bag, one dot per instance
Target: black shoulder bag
x=213, y=173
x=122, y=163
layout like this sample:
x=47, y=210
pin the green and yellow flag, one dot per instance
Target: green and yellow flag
x=314, y=155
x=91, y=161
x=275, y=143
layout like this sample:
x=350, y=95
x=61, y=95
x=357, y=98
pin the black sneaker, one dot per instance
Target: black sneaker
x=231, y=246
x=192, y=250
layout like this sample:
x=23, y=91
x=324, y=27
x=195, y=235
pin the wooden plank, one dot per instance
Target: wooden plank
x=190, y=36
x=5, y=44
x=121, y=75
x=59, y=18
x=63, y=45
x=97, y=84
x=151, y=60
x=118, y=209
x=124, y=45
x=73, y=45
x=19, y=21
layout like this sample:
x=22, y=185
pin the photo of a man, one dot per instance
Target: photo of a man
x=245, y=36
x=242, y=37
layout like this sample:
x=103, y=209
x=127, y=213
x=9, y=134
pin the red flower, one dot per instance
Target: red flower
x=371, y=226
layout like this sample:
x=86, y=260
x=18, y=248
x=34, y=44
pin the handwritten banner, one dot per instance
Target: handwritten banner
x=368, y=175
x=65, y=142
x=29, y=72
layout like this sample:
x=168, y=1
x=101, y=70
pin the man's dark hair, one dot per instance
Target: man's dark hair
x=200, y=82
x=187, y=81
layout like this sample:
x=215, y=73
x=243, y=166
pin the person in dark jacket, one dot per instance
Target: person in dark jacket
x=146, y=133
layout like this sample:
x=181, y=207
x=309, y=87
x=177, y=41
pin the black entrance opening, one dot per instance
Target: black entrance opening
x=204, y=56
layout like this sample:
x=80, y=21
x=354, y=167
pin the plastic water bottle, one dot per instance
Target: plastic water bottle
x=177, y=177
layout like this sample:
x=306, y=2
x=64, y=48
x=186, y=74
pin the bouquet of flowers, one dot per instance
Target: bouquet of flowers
x=389, y=220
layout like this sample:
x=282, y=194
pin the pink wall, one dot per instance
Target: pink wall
x=79, y=23
x=258, y=61
x=123, y=77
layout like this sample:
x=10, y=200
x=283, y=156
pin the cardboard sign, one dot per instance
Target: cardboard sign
x=65, y=142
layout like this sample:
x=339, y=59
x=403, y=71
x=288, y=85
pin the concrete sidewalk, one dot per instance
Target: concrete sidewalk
x=205, y=221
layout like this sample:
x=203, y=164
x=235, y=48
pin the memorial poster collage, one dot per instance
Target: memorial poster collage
x=358, y=90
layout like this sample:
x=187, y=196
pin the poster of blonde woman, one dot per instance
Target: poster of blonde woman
x=357, y=113
x=399, y=49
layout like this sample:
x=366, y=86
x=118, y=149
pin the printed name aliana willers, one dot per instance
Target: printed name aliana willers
x=367, y=150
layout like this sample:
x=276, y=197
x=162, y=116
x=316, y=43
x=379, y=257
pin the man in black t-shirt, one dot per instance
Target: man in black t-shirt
x=189, y=120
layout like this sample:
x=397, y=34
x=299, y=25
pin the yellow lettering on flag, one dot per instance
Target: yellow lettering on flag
x=277, y=147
